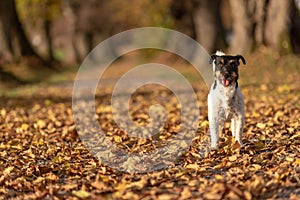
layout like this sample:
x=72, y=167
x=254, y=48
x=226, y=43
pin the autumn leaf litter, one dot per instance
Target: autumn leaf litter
x=41, y=155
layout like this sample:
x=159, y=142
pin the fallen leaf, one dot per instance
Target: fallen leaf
x=261, y=125
x=232, y=158
x=81, y=194
x=41, y=123
x=25, y=127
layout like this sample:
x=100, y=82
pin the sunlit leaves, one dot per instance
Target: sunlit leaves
x=42, y=157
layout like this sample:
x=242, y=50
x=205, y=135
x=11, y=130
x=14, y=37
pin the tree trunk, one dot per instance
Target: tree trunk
x=259, y=21
x=263, y=22
x=277, y=21
x=12, y=29
x=242, y=27
x=47, y=27
x=209, y=31
x=182, y=12
x=295, y=28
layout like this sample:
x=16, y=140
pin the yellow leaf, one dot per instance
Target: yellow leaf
x=192, y=166
x=41, y=123
x=261, y=125
x=98, y=185
x=164, y=197
x=58, y=159
x=295, y=135
x=25, y=127
x=289, y=159
x=297, y=161
x=232, y=158
x=204, y=123
x=117, y=139
x=262, y=137
x=219, y=177
x=264, y=87
x=18, y=147
x=191, y=183
x=39, y=180
x=294, y=196
x=121, y=186
x=3, y=112
x=52, y=177
x=255, y=114
x=270, y=124
x=291, y=130
x=278, y=114
x=247, y=195
x=81, y=194
x=48, y=102
x=105, y=178
x=283, y=88
x=186, y=193
x=183, y=144
x=139, y=184
x=255, y=167
x=8, y=170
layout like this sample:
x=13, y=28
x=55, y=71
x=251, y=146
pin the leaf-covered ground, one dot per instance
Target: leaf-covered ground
x=42, y=157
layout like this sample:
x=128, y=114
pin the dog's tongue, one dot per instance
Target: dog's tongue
x=225, y=82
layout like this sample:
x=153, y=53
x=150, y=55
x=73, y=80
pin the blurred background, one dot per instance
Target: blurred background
x=53, y=34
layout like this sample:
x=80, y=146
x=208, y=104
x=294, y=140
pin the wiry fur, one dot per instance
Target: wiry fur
x=225, y=100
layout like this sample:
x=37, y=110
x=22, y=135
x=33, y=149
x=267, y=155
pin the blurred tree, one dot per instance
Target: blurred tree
x=295, y=27
x=183, y=13
x=241, y=39
x=15, y=38
x=44, y=12
x=208, y=26
x=52, y=10
x=246, y=24
x=96, y=20
x=264, y=22
x=200, y=19
x=277, y=22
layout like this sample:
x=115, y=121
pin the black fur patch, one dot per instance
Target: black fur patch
x=215, y=85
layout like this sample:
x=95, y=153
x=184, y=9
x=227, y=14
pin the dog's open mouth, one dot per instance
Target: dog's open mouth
x=225, y=82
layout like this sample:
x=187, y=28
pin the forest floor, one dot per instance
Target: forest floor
x=42, y=156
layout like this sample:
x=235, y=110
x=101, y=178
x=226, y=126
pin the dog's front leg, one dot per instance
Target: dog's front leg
x=214, y=132
x=214, y=122
x=237, y=125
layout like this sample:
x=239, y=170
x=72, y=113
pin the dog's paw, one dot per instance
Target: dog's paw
x=214, y=148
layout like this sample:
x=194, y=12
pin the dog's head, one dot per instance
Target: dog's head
x=225, y=68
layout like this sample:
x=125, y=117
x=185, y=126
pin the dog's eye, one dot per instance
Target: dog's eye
x=220, y=64
x=233, y=63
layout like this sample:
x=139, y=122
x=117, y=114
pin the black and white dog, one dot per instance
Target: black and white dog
x=225, y=100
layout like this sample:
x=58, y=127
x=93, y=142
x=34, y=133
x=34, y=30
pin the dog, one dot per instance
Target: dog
x=225, y=99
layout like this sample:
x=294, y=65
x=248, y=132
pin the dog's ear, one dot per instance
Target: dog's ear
x=242, y=58
x=212, y=58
